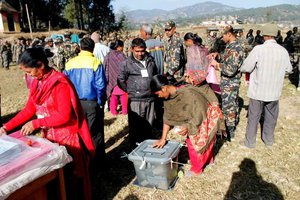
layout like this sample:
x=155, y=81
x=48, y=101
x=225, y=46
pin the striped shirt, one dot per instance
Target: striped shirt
x=267, y=64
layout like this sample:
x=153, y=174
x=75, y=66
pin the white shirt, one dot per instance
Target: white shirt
x=100, y=51
x=267, y=64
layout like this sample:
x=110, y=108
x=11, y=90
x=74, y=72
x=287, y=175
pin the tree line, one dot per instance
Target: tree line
x=81, y=14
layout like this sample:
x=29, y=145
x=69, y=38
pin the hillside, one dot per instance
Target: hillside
x=202, y=11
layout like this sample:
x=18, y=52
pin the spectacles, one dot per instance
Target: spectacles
x=168, y=30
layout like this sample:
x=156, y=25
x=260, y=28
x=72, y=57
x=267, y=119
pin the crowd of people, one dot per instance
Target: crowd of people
x=181, y=81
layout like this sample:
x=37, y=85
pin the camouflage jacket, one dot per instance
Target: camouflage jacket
x=296, y=42
x=174, y=59
x=231, y=61
x=244, y=44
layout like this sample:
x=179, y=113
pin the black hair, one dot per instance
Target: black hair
x=157, y=82
x=138, y=42
x=196, y=39
x=87, y=44
x=219, y=46
x=33, y=57
x=114, y=45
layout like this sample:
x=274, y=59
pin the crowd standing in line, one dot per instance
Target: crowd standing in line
x=156, y=78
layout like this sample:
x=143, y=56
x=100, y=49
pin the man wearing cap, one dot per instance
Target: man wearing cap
x=229, y=63
x=174, y=53
x=267, y=64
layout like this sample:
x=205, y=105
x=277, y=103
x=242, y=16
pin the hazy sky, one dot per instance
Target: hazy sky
x=172, y=4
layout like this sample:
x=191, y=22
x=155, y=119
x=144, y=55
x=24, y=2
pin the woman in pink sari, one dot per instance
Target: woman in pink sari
x=59, y=116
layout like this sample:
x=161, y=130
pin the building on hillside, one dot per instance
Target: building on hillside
x=9, y=18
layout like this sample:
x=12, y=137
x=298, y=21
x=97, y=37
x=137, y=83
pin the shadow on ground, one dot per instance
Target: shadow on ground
x=248, y=184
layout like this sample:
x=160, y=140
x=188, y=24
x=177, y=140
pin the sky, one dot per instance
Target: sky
x=127, y=5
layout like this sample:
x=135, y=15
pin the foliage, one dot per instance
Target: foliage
x=82, y=14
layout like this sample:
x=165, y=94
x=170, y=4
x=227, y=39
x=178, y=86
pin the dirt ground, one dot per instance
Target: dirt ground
x=237, y=173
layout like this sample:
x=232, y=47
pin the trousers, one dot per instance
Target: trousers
x=271, y=111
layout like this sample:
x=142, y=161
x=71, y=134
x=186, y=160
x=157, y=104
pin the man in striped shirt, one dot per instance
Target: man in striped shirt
x=267, y=64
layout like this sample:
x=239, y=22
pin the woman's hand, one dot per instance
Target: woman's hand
x=212, y=56
x=215, y=64
x=160, y=143
x=27, y=129
x=3, y=131
x=183, y=131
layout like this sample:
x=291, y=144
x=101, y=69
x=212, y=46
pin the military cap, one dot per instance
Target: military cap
x=58, y=40
x=227, y=29
x=170, y=24
x=270, y=30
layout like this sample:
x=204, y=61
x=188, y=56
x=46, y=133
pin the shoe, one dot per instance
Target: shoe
x=242, y=144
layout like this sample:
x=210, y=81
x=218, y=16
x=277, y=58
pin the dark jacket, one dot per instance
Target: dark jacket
x=130, y=78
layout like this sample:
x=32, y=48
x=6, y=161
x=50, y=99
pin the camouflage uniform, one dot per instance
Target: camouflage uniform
x=6, y=55
x=174, y=57
x=245, y=45
x=210, y=41
x=231, y=61
x=296, y=47
x=14, y=51
x=20, y=48
x=57, y=61
x=296, y=55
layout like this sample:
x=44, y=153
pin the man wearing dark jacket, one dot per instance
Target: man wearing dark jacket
x=134, y=78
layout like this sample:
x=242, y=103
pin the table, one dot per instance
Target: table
x=37, y=190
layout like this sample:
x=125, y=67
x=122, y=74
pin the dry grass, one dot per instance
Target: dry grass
x=238, y=173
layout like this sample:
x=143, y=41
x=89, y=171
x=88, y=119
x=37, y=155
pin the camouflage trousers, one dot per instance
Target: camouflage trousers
x=5, y=60
x=230, y=106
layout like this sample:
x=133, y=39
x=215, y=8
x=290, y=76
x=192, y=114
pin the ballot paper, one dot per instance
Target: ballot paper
x=8, y=151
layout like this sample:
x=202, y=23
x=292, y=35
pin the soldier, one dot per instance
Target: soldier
x=211, y=39
x=127, y=43
x=230, y=62
x=296, y=56
x=20, y=49
x=258, y=38
x=174, y=59
x=49, y=43
x=67, y=53
x=243, y=41
x=279, y=38
x=288, y=42
x=58, y=58
x=250, y=37
x=6, y=55
x=296, y=44
x=14, y=50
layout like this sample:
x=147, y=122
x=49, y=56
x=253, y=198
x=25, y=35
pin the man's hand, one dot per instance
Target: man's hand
x=27, y=129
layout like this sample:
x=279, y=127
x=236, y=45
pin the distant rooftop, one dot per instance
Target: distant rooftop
x=4, y=6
